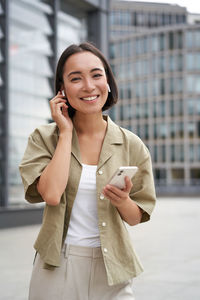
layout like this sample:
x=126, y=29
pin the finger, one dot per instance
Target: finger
x=54, y=103
x=65, y=111
x=58, y=96
x=56, y=100
x=57, y=109
x=59, y=106
x=110, y=195
x=128, y=184
x=115, y=190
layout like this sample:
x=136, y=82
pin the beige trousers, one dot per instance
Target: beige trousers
x=81, y=276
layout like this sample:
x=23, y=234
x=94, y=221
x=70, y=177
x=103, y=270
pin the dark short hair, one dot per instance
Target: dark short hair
x=72, y=49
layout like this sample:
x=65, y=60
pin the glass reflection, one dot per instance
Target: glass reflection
x=30, y=74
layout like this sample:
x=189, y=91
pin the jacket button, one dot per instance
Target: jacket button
x=100, y=172
x=105, y=250
x=102, y=197
x=103, y=224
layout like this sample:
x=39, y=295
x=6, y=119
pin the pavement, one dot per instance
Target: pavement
x=168, y=247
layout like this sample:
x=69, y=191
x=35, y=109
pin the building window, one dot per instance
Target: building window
x=155, y=86
x=163, y=153
x=155, y=153
x=172, y=153
x=197, y=38
x=112, y=113
x=180, y=129
x=155, y=66
x=180, y=107
x=198, y=129
x=171, y=40
x=146, y=110
x=155, y=134
x=198, y=152
x=195, y=176
x=177, y=175
x=191, y=152
x=193, y=61
x=189, y=39
x=126, y=112
x=145, y=89
x=191, y=128
x=160, y=176
x=162, y=41
x=171, y=107
x=180, y=62
x=172, y=63
x=198, y=106
x=113, y=67
x=172, y=130
x=163, y=131
x=138, y=130
x=146, y=131
x=179, y=149
x=113, y=50
x=154, y=109
x=155, y=43
x=29, y=84
x=193, y=84
x=179, y=85
x=190, y=106
x=162, y=108
x=138, y=111
x=162, y=64
x=162, y=86
x=138, y=46
x=179, y=37
x=171, y=85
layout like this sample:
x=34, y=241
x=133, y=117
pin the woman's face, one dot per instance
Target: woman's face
x=85, y=82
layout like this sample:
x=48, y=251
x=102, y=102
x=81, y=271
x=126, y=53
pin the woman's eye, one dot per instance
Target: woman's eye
x=75, y=79
x=97, y=75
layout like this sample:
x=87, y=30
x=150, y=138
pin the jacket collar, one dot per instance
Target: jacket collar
x=113, y=137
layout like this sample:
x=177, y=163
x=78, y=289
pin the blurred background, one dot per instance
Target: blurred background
x=154, y=51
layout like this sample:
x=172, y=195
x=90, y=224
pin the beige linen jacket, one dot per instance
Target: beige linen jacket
x=120, y=148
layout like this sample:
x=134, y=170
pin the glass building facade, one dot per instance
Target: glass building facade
x=32, y=36
x=132, y=16
x=158, y=74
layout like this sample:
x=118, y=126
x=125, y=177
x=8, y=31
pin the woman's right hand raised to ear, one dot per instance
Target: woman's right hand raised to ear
x=59, y=113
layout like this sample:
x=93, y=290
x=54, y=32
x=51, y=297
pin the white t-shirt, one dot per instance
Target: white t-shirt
x=83, y=226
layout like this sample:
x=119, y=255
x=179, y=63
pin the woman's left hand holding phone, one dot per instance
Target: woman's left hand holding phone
x=59, y=112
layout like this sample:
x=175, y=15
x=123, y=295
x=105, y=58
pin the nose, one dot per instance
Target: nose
x=88, y=85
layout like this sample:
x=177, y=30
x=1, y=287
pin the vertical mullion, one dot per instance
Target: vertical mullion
x=5, y=100
x=53, y=21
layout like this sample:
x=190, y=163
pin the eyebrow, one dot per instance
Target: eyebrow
x=79, y=72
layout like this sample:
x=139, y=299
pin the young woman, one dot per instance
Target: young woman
x=83, y=250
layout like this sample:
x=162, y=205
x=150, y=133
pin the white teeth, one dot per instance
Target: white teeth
x=89, y=98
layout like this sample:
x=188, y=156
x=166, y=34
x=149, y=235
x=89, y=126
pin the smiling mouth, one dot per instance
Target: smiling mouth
x=92, y=98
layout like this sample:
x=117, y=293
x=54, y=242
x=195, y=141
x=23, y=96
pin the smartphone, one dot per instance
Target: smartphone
x=118, y=178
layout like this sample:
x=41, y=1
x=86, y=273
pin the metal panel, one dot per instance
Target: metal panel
x=20, y=217
x=98, y=27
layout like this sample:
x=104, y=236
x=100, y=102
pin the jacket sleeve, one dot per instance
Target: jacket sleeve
x=34, y=161
x=143, y=190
